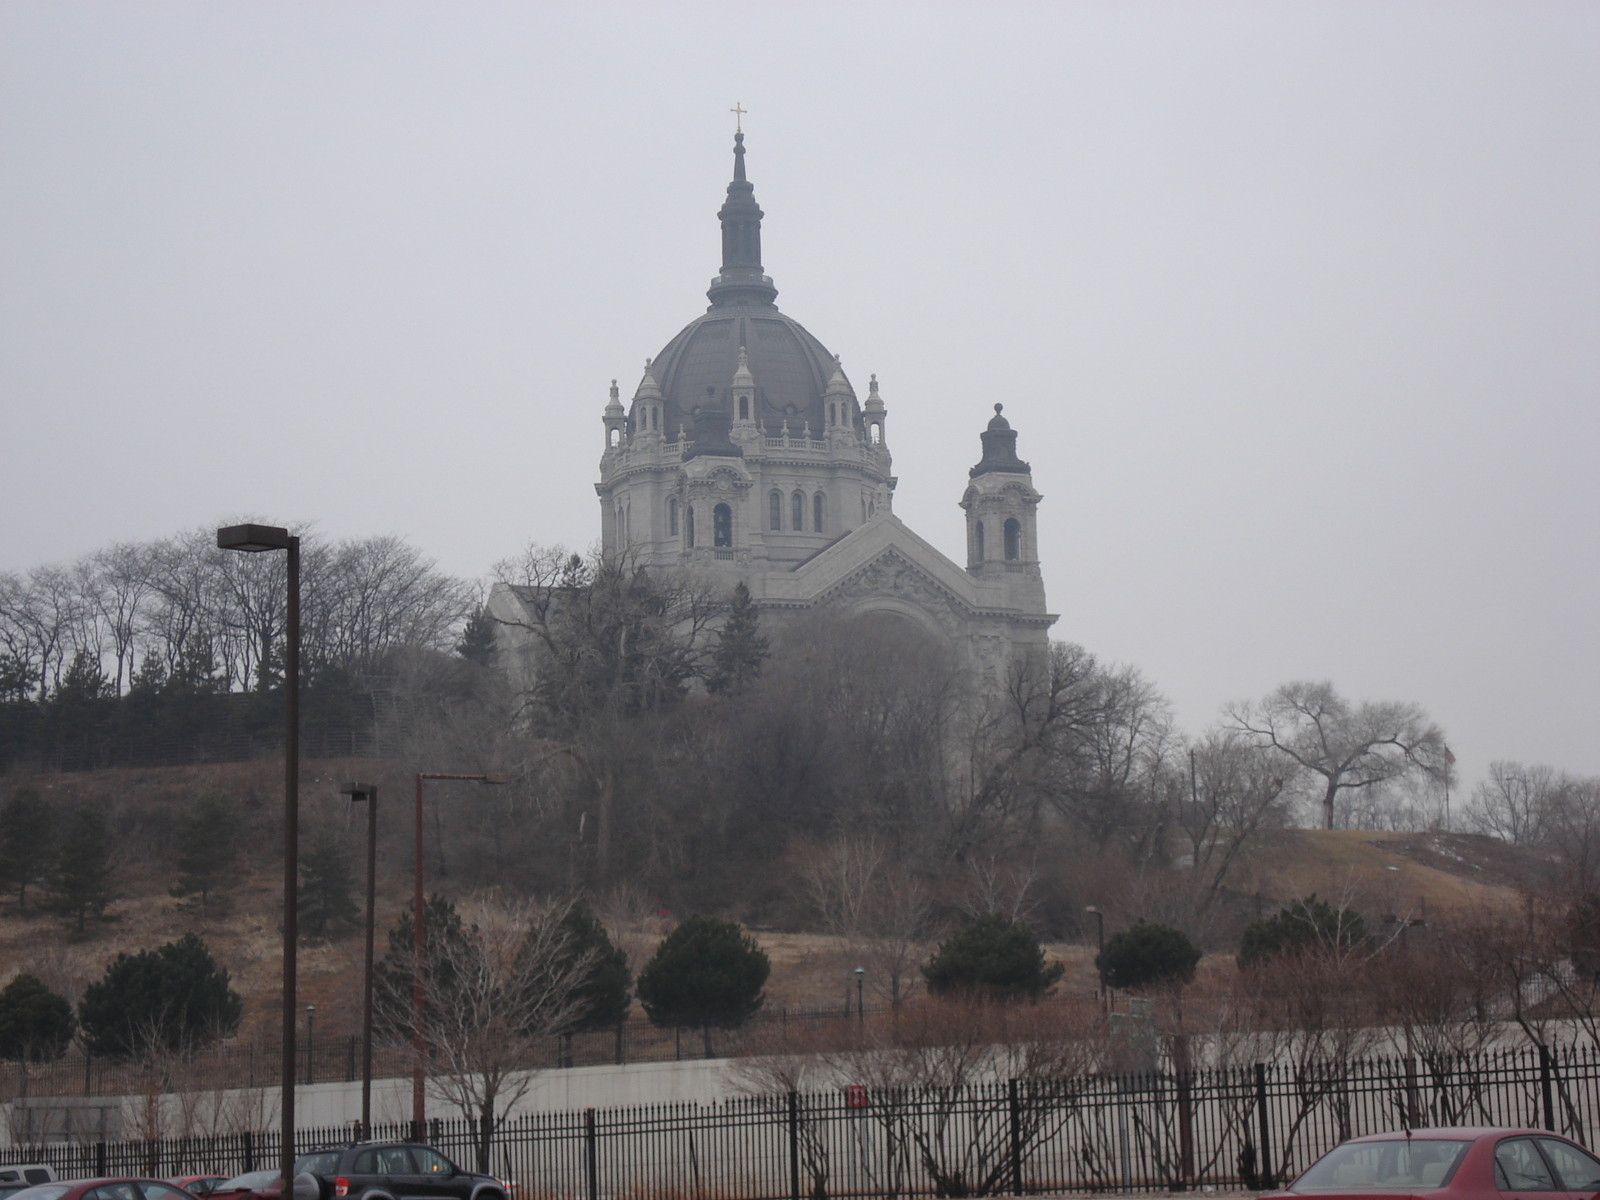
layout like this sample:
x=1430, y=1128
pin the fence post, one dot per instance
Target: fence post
x=1545, y=1092
x=794, y=1146
x=100, y=1160
x=249, y=1151
x=1266, y=1128
x=1185, y=1127
x=591, y=1164
x=1015, y=1103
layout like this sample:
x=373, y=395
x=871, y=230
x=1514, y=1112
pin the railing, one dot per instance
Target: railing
x=1253, y=1127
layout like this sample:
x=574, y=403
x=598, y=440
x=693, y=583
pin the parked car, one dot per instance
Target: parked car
x=199, y=1185
x=27, y=1174
x=1468, y=1162
x=103, y=1189
x=395, y=1171
x=252, y=1185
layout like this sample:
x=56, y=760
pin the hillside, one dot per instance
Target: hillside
x=1381, y=873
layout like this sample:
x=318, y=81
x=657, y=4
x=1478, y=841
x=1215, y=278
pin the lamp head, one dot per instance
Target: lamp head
x=359, y=791
x=253, y=539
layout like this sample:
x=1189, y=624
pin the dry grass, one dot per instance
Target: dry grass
x=1381, y=872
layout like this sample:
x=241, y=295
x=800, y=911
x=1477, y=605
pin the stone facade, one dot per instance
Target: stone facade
x=746, y=455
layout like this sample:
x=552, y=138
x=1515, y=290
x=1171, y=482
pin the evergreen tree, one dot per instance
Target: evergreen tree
x=175, y=997
x=35, y=1023
x=391, y=984
x=705, y=973
x=1147, y=955
x=79, y=882
x=477, y=642
x=604, y=990
x=24, y=842
x=208, y=846
x=327, y=907
x=991, y=955
x=1306, y=924
x=740, y=648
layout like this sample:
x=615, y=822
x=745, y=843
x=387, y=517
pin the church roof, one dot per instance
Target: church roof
x=791, y=368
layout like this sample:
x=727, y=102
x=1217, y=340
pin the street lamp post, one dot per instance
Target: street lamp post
x=254, y=539
x=861, y=1007
x=369, y=793
x=419, y=1109
x=311, y=1044
x=1100, y=920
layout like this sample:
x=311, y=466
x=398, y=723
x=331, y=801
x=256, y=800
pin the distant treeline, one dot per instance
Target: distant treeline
x=170, y=651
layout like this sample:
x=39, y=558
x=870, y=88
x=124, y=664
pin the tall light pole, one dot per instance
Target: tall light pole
x=254, y=539
x=419, y=1105
x=1100, y=919
x=369, y=793
x=861, y=1004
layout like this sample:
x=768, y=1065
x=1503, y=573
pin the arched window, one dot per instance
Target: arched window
x=833, y=413
x=775, y=511
x=977, y=542
x=797, y=512
x=672, y=518
x=1013, y=539
x=744, y=408
x=816, y=513
x=688, y=527
x=615, y=437
x=877, y=434
x=655, y=418
x=722, y=526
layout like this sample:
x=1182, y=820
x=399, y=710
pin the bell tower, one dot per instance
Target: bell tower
x=1002, y=516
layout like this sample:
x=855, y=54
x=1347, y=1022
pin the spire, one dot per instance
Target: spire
x=614, y=409
x=999, y=449
x=742, y=377
x=874, y=402
x=741, y=280
x=838, y=385
x=649, y=389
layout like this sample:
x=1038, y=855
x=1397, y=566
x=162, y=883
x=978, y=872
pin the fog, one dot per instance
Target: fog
x=1295, y=306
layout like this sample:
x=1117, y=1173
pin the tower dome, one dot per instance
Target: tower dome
x=791, y=368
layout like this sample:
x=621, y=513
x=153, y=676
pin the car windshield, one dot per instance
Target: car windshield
x=249, y=1181
x=1383, y=1166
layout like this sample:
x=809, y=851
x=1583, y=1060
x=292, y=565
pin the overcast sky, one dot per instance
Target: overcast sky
x=1296, y=306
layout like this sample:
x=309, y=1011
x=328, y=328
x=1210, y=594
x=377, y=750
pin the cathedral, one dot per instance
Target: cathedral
x=746, y=454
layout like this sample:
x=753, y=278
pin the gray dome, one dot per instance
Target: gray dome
x=791, y=368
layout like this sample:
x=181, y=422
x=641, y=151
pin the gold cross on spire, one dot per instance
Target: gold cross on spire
x=738, y=112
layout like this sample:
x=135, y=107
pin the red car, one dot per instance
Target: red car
x=252, y=1185
x=199, y=1185
x=103, y=1189
x=1453, y=1164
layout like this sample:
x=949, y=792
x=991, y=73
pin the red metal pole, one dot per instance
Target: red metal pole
x=418, y=1104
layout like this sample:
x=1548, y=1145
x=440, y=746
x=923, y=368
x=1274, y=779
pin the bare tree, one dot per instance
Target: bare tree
x=1234, y=791
x=1513, y=802
x=878, y=908
x=1348, y=748
x=493, y=995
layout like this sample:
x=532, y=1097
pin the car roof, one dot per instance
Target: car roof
x=1455, y=1133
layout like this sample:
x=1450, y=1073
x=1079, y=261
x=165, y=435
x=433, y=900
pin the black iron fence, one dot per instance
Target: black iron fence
x=1249, y=1127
